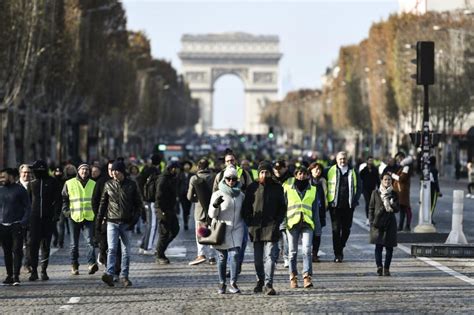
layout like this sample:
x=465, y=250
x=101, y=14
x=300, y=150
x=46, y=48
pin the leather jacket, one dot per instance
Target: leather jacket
x=120, y=202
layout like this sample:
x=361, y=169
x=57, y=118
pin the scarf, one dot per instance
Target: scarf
x=231, y=191
x=385, y=194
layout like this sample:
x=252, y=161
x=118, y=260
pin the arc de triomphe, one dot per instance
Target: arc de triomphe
x=254, y=59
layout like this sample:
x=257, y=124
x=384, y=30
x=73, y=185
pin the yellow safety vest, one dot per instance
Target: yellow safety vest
x=332, y=178
x=288, y=183
x=162, y=166
x=298, y=207
x=80, y=199
x=254, y=174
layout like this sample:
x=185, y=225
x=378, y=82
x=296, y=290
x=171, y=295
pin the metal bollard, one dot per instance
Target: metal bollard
x=456, y=236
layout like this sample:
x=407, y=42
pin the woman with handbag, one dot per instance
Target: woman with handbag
x=383, y=223
x=226, y=207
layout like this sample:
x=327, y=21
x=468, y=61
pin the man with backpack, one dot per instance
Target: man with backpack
x=199, y=192
x=147, y=182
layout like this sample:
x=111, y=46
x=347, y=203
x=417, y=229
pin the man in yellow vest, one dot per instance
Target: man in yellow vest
x=343, y=192
x=77, y=206
x=302, y=219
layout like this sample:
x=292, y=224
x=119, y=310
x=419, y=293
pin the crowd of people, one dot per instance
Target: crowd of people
x=274, y=204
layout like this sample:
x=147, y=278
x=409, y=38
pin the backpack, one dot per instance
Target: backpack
x=149, y=189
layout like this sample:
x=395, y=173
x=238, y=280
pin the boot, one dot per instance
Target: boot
x=259, y=287
x=307, y=281
x=33, y=275
x=293, y=281
x=44, y=275
x=75, y=269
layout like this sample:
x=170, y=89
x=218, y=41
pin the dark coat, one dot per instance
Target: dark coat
x=121, y=202
x=264, y=209
x=46, y=199
x=388, y=236
x=166, y=194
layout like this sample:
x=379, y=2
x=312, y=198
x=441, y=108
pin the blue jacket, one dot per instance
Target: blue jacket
x=15, y=206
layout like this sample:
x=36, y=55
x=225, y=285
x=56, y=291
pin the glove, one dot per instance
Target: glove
x=67, y=214
x=218, y=202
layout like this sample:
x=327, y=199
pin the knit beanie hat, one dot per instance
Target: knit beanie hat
x=265, y=166
x=118, y=166
x=83, y=165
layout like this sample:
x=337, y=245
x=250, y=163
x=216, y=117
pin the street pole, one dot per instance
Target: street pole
x=424, y=215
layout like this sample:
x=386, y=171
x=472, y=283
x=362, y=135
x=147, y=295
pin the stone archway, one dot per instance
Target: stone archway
x=254, y=59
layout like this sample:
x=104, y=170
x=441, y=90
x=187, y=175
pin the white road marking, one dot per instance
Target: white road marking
x=68, y=306
x=426, y=260
x=177, y=251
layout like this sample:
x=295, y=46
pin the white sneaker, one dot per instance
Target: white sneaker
x=149, y=252
x=286, y=263
x=367, y=222
x=468, y=196
x=141, y=251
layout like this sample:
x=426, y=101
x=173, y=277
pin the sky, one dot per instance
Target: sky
x=311, y=33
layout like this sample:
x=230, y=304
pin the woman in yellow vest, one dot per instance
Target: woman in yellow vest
x=302, y=219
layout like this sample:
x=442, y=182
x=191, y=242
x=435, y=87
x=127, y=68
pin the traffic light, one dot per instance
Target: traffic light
x=270, y=132
x=424, y=63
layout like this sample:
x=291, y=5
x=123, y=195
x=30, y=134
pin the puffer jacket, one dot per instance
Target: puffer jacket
x=121, y=202
x=46, y=200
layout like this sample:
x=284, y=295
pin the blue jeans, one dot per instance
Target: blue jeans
x=233, y=255
x=284, y=244
x=306, y=234
x=114, y=232
x=88, y=234
x=265, y=255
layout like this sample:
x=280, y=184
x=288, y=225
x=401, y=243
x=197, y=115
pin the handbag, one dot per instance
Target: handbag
x=217, y=235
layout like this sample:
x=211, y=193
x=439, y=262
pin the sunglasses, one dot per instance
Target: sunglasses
x=231, y=179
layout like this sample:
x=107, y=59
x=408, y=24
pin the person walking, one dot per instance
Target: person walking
x=370, y=178
x=316, y=170
x=45, y=196
x=264, y=209
x=226, y=206
x=26, y=176
x=286, y=179
x=434, y=187
x=61, y=225
x=302, y=219
x=101, y=234
x=165, y=207
x=470, y=179
x=401, y=185
x=184, y=177
x=342, y=197
x=383, y=224
x=15, y=208
x=77, y=207
x=121, y=205
x=199, y=192
x=147, y=183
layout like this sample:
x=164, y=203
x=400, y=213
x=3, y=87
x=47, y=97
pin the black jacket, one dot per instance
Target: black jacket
x=166, y=193
x=388, y=235
x=121, y=202
x=370, y=178
x=46, y=200
x=264, y=209
x=97, y=195
x=15, y=206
